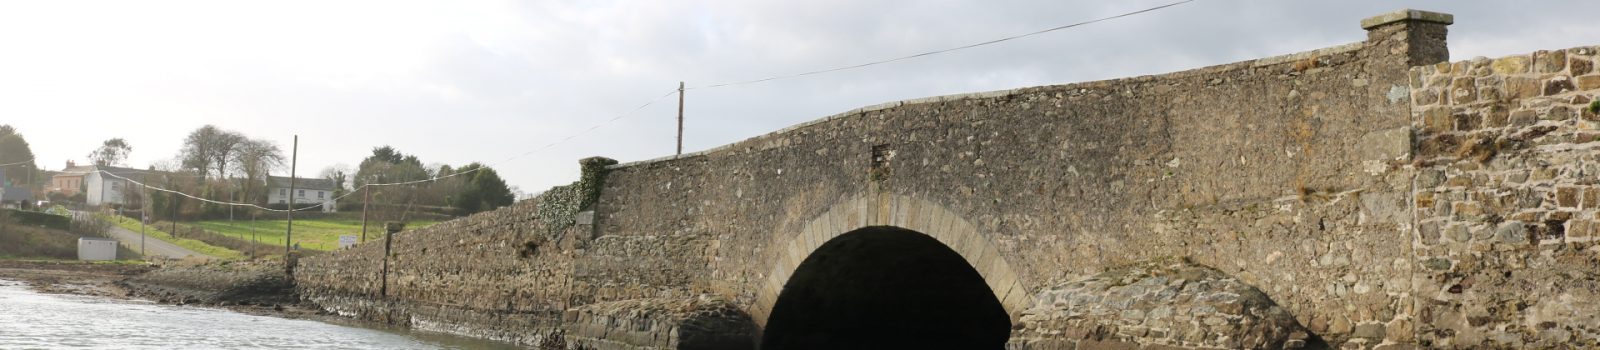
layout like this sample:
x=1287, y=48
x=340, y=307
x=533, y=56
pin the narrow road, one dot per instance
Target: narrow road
x=152, y=246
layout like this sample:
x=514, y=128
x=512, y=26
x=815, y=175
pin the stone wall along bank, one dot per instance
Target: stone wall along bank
x=1290, y=173
x=1341, y=191
x=1506, y=200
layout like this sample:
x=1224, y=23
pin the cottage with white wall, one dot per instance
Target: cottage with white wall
x=106, y=184
x=306, y=191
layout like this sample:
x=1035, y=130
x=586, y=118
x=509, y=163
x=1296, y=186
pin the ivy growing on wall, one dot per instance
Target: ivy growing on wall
x=559, y=207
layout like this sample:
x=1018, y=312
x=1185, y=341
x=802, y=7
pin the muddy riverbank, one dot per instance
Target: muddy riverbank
x=256, y=288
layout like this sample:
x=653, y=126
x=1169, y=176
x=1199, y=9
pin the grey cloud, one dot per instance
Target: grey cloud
x=532, y=73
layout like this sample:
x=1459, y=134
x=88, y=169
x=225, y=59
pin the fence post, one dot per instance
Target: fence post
x=388, y=242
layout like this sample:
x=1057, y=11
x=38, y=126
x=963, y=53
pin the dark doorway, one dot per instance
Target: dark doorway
x=886, y=288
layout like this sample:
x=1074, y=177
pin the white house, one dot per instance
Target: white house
x=306, y=191
x=114, y=189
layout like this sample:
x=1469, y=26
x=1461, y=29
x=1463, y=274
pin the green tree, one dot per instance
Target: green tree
x=388, y=165
x=111, y=152
x=483, y=190
x=340, y=175
x=17, y=157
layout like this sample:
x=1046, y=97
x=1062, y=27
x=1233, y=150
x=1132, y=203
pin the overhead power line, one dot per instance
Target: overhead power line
x=935, y=52
x=180, y=193
x=413, y=182
x=540, y=149
x=30, y=160
x=663, y=96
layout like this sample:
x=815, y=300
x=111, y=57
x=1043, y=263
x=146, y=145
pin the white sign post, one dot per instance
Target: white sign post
x=346, y=241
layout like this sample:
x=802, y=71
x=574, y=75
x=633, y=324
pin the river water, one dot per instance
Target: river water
x=31, y=320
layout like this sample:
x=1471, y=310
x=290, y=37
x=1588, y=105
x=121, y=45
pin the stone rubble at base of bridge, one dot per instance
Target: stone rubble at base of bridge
x=1171, y=302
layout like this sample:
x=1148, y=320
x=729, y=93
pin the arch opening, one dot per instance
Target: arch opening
x=886, y=287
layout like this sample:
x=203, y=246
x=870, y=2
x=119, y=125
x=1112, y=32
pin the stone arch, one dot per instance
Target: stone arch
x=788, y=251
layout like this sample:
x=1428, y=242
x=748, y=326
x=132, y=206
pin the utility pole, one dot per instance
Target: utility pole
x=288, y=233
x=144, y=215
x=366, y=192
x=173, y=202
x=680, y=118
x=253, y=241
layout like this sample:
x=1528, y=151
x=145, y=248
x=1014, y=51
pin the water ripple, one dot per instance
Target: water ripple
x=30, y=320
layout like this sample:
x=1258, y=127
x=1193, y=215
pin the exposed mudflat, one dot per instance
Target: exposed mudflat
x=72, y=277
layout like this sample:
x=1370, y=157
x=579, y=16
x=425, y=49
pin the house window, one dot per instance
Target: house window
x=280, y=200
x=283, y=192
x=322, y=195
x=302, y=193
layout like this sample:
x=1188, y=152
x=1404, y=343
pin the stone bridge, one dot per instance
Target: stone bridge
x=1368, y=195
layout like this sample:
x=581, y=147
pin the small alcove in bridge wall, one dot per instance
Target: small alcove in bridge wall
x=884, y=287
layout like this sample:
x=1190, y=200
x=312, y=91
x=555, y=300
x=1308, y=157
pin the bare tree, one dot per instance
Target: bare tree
x=225, y=148
x=253, y=161
x=209, y=149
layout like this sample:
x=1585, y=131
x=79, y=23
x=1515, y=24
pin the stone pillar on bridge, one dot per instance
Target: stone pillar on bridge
x=1416, y=34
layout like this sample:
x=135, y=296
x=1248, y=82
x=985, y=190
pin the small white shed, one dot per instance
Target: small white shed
x=96, y=248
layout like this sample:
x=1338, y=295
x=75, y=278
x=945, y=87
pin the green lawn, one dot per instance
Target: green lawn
x=316, y=234
x=190, y=244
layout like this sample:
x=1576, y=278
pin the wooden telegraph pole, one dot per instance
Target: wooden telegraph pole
x=680, y=118
x=253, y=240
x=366, y=193
x=288, y=233
x=144, y=214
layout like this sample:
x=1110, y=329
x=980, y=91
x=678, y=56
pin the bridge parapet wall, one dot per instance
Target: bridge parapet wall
x=1297, y=175
x=1290, y=173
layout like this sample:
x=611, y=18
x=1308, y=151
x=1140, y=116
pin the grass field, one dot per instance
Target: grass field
x=314, y=234
x=190, y=244
x=27, y=241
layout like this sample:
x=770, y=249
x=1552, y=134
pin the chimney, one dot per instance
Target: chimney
x=70, y=163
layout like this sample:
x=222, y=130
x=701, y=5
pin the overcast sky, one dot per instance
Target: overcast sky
x=456, y=81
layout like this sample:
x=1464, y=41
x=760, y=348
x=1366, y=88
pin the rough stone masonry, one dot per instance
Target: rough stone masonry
x=1368, y=195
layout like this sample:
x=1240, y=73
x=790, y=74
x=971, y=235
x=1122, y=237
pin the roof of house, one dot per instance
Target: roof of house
x=80, y=170
x=16, y=194
x=301, y=183
x=118, y=171
x=125, y=172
